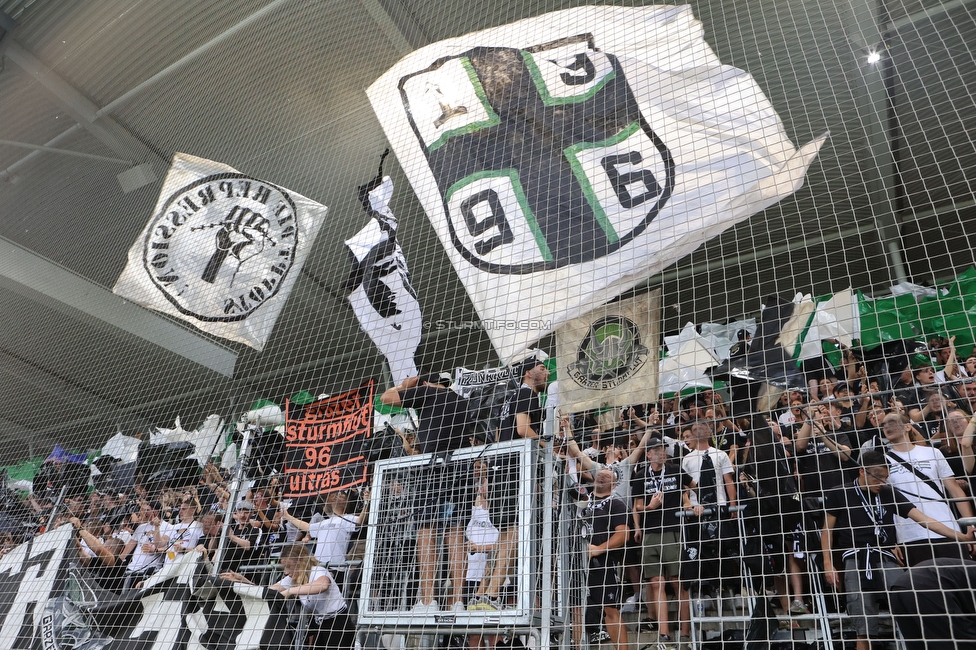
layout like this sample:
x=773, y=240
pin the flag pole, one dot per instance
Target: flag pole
x=548, y=435
x=54, y=510
x=235, y=488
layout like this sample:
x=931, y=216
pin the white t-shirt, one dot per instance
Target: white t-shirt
x=144, y=534
x=122, y=535
x=552, y=399
x=87, y=549
x=875, y=443
x=185, y=534
x=786, y=418
x=482, y=532
x=931, y=463
x=573, y=471
x=322, y=604
x=692, y=463
x=332, y=537
x=940, y=376
x=591, y=453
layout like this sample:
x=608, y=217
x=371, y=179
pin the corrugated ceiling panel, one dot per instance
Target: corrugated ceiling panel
x=108, y=47
x=936, y=109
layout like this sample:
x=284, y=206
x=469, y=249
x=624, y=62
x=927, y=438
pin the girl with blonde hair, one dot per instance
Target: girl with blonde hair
x=313, y=584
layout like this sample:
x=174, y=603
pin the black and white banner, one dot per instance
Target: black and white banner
x=31, y=574
x=48, y=604
x=564, y=158
x=609, y=356
x=222, y=250
x=466, y=381
x=381, y=294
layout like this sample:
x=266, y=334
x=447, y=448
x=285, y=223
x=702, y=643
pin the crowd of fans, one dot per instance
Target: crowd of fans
x=839, y=484
x=845, y=481
x=124, y=538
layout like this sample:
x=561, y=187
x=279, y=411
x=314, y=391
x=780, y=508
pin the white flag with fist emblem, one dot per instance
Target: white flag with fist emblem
x=222, y=250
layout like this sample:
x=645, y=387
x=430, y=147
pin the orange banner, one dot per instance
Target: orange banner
x=324, y=442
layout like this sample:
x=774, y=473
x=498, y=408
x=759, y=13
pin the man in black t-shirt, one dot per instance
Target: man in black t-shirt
x=608, y=530
x=921, y=398
x=659, y=493
x=444, y=494
x=522, y=413
x=854, y=410
x=243, y=537
x=521, y=418
x=934, y=604
x=100, y=557
x=271, y=528
x=211, y=526
x=860, y=524
x=823, y=448
x=442, y=412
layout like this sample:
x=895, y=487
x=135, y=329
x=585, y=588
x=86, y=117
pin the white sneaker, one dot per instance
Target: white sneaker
x=458, y=606
x=629, y=606
x=429, y=608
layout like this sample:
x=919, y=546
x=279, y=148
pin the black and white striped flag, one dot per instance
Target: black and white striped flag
x=47, y=603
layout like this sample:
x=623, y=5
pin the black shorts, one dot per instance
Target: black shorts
x=632, y=550
x=333, y=633
x=503, y=491
x=601, y=585
x=443, y=494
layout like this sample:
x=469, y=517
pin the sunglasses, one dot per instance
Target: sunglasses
x=880, y=479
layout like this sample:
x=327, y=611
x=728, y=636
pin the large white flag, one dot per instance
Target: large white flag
x=564, y=158
x=222, y=250
x=381, y=295
x=609, y=356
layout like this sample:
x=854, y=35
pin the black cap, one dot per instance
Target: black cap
x=526, y=365
x=654, y=443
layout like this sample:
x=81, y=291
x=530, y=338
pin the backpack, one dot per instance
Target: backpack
x=485, y=406
x=707, y=485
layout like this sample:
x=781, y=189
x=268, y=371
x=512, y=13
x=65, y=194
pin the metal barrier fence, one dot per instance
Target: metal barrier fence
x=425, y=492
x=548, y=570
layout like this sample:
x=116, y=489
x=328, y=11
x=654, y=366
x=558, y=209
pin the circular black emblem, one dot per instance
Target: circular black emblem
x=222, y=246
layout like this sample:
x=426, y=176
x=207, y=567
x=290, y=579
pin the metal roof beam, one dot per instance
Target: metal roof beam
x=84, y=111
x=14, y=440
x=863, y=29
x=21, y=269
x=27, y=375
x=385, y=22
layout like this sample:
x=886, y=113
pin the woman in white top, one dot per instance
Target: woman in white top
x=330, y=627
x=332, y=534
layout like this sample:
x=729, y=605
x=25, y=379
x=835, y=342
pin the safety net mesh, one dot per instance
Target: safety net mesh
x=471, y=324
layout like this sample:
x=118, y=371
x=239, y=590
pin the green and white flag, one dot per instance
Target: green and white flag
x=609, y=356
x=562, y=159
x=221, y=251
